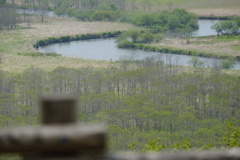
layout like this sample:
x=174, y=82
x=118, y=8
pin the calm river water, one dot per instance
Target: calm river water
x=106, y=49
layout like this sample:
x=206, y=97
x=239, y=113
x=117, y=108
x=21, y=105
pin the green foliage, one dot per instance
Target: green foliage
x=146, y=104
x=51, y=40
x=147, y=37
x=217, y=27
x=171, y=20
x=133, y=35
x=154, y=145
x=128, y=38
x=10, y=156
x=157, y=22
x=237, y=20
x=232, y=137
x=107, y=7
x=39, y=54
x=196, y=62
x=227, y=27
x=85, y=15
x=145, y=19
x=104, y=16
x=227, y=64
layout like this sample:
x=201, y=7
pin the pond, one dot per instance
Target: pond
x=205, y=27
x=106, y=49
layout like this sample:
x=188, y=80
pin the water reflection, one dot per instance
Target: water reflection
x=37, y=12
x=106, y=49
x=205, y=27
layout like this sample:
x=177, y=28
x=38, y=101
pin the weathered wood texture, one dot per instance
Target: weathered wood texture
x=59, y=109
x=61, y=138
x=53, y=138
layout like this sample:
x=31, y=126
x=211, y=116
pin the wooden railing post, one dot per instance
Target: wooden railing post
x=58, y=110
x=59, y=135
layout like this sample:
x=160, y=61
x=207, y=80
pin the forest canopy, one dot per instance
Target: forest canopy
x=139, y=100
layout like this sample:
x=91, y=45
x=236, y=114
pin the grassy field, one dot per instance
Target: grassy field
x=21, y=40
x=206, y=8
x=217, y=45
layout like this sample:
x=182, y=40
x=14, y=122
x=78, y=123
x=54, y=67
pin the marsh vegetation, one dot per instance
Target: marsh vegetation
x=147, y=104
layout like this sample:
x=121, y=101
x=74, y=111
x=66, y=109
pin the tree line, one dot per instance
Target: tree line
x=139, y=100
x=228, y=27
x=8, y=18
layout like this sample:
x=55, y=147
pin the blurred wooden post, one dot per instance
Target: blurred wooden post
x=58, y=110
x=61, y=138
x=59, y=135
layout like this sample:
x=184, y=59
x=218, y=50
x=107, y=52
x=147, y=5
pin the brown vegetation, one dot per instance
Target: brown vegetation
x=208, y=45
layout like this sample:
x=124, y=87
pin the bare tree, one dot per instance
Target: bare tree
x=1, y=56
x=8, y=18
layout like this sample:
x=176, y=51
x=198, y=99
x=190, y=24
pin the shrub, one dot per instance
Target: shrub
x=126, y=44
x=104, y=16
x=145, y=19
x=65, y=39
x=147, y=37
x=227, y=64
x=85, y=15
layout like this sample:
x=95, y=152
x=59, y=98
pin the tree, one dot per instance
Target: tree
x=147, y=37
x=229, y=27
x=218, y=28
x=132, y=34
x=1, y=56
x=227, y=64
x=43, y=6
x=145, y=19
x=196, y=62
x=8, y=18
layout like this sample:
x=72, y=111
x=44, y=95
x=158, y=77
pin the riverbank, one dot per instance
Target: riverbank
x=194, y=47
x=16, y=44
x=63, y=39
x=212, y=46
x=18, y=52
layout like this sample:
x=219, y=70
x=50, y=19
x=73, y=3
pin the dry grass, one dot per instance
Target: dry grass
x=69, y=26
x=216, y=12
x=15, y=63
x=208, y=45
x=21, y=41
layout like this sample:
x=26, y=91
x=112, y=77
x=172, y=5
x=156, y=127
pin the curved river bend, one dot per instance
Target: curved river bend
x=106, y=49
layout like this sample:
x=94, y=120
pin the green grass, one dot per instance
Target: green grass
x=227, y=38
x=214, y=39
x=236, y=47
